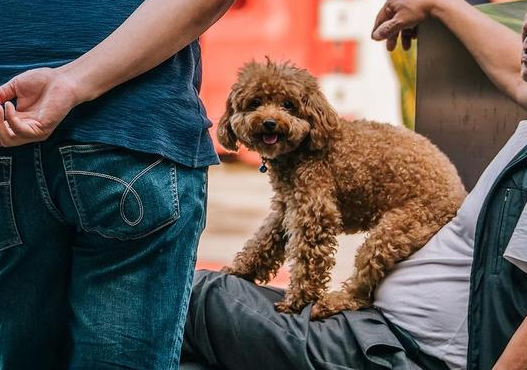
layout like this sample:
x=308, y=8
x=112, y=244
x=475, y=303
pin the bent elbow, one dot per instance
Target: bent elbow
x=520, y=95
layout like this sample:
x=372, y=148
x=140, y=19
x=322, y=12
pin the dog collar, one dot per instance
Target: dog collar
x=263, y=167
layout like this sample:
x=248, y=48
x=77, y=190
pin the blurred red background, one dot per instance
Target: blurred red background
x=285, y=30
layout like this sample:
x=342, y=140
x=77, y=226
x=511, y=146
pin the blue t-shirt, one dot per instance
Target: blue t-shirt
x=157, y=112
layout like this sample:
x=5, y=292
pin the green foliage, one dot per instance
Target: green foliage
x=404, y=63
x=509, y=14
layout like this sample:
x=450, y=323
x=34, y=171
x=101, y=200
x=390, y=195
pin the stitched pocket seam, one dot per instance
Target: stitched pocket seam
x=73, y=186
x=88, y=148
x=16, y=239
x=128, y=189
x=43, y=186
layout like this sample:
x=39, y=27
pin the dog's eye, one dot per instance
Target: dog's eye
x=288, y=105
x=255, y=103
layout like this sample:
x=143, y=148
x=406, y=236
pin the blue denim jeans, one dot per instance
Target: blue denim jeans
x=97, y=253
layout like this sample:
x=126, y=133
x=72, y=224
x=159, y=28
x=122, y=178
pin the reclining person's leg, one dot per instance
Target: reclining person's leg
x=232, y=324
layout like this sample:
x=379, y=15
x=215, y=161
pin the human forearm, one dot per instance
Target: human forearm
x=515, y=355
x=496, y=48
x=154, y=32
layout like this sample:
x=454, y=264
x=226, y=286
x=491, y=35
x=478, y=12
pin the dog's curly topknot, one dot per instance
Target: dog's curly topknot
x=285, y=79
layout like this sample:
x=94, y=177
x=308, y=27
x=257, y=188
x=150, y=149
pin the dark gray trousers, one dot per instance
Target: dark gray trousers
x=232, y=325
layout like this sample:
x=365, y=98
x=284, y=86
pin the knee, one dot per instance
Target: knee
x=206, y=282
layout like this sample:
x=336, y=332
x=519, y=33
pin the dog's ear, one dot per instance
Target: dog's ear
x=225, y=134
x=322, y=117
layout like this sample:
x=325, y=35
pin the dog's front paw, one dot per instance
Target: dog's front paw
x=332, y=304
x=246, y=275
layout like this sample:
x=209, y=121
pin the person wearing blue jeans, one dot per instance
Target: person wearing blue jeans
x=103, y=175
x=97, y=250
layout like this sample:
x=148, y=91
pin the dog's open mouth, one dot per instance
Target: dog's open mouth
x=270, y=139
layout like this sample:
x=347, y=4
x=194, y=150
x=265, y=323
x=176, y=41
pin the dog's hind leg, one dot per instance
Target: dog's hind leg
x=399, y=233
x=263, y=254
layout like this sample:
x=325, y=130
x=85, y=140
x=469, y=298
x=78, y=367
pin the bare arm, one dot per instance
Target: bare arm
x=515, y=355
x=496, y=48
x=155, y=31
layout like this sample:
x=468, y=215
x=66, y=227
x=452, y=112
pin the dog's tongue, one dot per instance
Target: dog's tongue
x=270, y=139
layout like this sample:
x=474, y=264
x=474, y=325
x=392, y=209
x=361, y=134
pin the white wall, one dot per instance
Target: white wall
x=373, y=92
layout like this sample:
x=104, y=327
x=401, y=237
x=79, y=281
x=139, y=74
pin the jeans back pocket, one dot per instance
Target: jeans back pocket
x=9, y=236
x=119, y=193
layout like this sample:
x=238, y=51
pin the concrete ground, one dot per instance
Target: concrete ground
x=238, y=202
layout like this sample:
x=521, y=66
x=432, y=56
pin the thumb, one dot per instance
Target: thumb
x=387, y=29
x=7, y=92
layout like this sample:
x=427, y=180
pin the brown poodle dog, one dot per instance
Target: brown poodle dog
x=332, y=176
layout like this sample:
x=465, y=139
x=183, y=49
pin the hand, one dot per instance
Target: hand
x=44, y=97
x=401, y=17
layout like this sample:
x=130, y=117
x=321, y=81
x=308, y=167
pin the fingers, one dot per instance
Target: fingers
x=385, y=14
x=387, y=29
x=7, y=92
x=391, y=43
x=7, y=136
x=5, y=130
x=15, y=130
x=399, y=18
x=406, y=42
x=390, y=32
x=22, y=128
x=407, y=36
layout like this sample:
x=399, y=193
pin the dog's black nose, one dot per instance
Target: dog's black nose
x=269, y=124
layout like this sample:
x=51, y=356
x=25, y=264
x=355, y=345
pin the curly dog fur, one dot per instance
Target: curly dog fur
x=332, y=176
